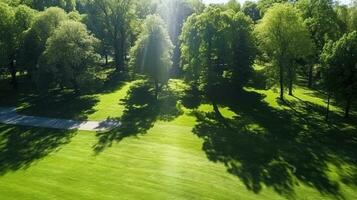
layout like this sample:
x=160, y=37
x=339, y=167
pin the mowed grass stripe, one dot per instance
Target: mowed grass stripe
x=87, y=172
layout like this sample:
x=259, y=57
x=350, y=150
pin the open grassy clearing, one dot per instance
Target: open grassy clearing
x=185, y=154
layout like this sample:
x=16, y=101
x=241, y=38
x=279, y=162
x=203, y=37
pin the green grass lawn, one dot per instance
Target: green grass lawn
x=267, y=150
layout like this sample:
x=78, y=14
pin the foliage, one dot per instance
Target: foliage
x=341, y=73
x=174, y=13
x=111, y=21
x=70, y=57
x=36, y=37
x=68, y=5
x=14, y=21
x=284, y=38
x=146, y=7
x=347, y=17
x=321, y=21
x=24, y=18
x=76, y=16
x=251, y=9
x=7, y=34
x=152, y=52
x=217, y=46
x=264, y=5
x=233, y=4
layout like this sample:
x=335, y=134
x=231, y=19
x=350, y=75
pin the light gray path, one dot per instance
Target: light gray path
x=9, y=116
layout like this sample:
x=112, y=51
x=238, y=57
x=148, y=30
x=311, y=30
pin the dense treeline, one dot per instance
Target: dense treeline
x=65, y=43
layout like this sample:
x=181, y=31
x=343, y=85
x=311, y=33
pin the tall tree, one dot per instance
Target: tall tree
x=14, y=21
x=70, y=57
x=217, y=47
x=7, y=40
x=341, y=70
x=36, y=37
x=152, y=53
x=284, y=37
x=111, y=21
x=175, y=13
x=24, y=18
x=322, y=23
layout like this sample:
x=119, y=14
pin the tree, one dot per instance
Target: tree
x=111, y=21
x=322, y=23
x=242, y=47
x=217, y=47
x=36, y=37
x=152, y=52
x=284, y=38
x=14, y=21
x=174, y=13
x=251, y=9
x=7, y=40
x=24, y=18
x=347, y=17
x=70, y=57
x=341, y=70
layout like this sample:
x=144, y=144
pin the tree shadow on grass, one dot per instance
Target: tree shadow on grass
x=60, y=104
x=56, y=103
x=277, y=148
x=142, y=109
x=22, y=146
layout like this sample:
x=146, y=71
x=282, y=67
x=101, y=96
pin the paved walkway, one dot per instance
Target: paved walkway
x=9, y=116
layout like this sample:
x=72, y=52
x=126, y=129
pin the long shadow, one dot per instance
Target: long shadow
x=56, y=103
x=277, y=148
x=20, y=147
x=142, y=109
x=60, y=105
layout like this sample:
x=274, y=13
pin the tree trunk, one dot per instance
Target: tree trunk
x=76, y=87
x=311, y=68
x=117, y=59
x=328, y=106
x=216, y=111
x=106, y=58
x=348, y=107
x=291, y=78
x=291, y=87
x=13, y=73
x=122, y=47
x=156, y=89
x=281, y=81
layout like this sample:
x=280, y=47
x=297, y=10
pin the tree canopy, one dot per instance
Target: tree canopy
x=70, y=57
x=36, y=37
x=111, y=21
x=284, y=38
x=152, y=53
x=341, y=72
x=217, y=48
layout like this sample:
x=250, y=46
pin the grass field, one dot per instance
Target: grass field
x=267, y=150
